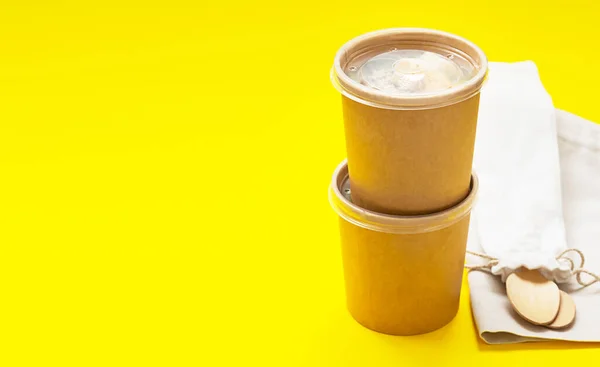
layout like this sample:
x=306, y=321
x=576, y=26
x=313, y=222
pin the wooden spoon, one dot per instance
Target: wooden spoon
x=533, y=297
x=566, y=313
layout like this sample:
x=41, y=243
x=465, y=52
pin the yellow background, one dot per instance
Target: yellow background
x=164, y=170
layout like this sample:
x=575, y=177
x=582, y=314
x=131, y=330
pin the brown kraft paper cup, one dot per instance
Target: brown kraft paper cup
x=403, y=274
x=409, y=154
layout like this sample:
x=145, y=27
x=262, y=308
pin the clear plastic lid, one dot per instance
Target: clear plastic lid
x=409, y=68
x=410, y=71
x=340, y=198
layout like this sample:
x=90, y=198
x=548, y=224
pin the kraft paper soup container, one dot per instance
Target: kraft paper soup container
x=410, y=99
x=403, y=274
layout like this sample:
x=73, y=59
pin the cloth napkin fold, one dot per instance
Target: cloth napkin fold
x=539, y=171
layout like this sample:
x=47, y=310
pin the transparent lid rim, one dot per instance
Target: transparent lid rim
x=396, y=223
x=370, y=96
